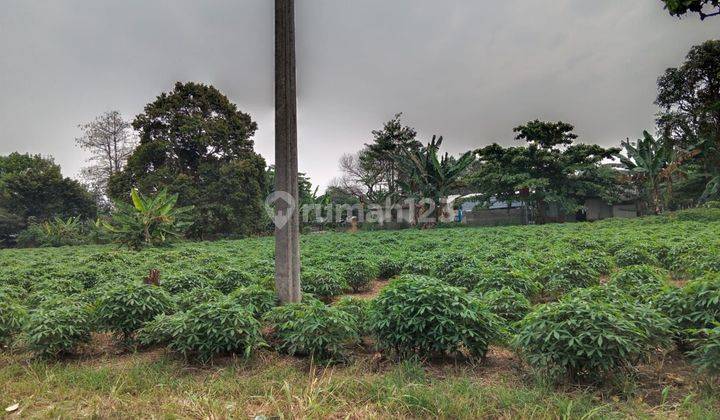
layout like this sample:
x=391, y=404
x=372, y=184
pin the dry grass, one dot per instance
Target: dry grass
x=152, y=384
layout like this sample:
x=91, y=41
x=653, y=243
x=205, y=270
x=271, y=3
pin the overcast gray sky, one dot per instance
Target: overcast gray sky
x=469, y=70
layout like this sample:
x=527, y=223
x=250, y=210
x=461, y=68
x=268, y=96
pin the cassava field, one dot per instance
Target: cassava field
x=608, y=319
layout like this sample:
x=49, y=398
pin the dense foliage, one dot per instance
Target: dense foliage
x=196, y=143
x=150, y=220
x=12, y=316
x=125, y=308
x=312, y=328
x=32, y=188
x=590, y=334
x=504, y=273
x=693, y=307
x=58, y=327
x=704, y=8
x=425, y=316
x=213, y=328
x=706, y=355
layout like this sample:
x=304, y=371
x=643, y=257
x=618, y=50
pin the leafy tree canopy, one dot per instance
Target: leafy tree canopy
x=689, y=99
x=550, y=169
x=197, y=144
x=32, y=186
x=704, y=8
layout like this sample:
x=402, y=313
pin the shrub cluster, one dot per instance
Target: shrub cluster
x=496, y=278
x=359, y=308
x=125, y=308
x=323, y=283
x=567, y=274
x=508, y=304
x=12, y=316
x=206, y=330
x=642, y=282
x=57, y=327
x=255, y=298
x=590, y=334
x=312, y=328
x=359, y=274
x=693, y=307
x=706, y=355
x=425, y=316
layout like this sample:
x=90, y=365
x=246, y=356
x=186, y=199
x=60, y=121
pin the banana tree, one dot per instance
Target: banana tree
x=432, y=176
x=149, y=220
x=648, y=160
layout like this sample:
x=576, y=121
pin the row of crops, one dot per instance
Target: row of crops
x=574, y=301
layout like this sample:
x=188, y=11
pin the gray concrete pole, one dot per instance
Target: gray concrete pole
x=287, y=237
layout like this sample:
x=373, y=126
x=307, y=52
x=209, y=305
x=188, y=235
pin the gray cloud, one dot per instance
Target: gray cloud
x=467, y=70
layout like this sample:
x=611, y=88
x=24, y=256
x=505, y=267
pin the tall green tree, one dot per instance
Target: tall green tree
x=389, y=143
x=550, y=169
x=195, y=143
x=305, y=190
x=32, y=187
x=689, y=101
x=704, y=8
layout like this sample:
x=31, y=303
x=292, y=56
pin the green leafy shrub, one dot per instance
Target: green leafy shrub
x=642, y=282
x=590, y=333
x=567, y=274
x=191, y=298
x=12, y=316
x=693, y=307
x=11, y=292
x=322, y=283
x=51, y=288
x=422, y=264
x=634, y=255
x=389, y=267
x=125, y=308
x=449, y=261
x=359, y=274
x=312, y=328
x=467, y=276
x=597, y=261
x=506, y=303
x=698, y=215
x=229, y=280
x=210, y=329
x=56, y=328
x=89, y=277
x=496, y=278
x=183, y=282
x=54, y=233
x=255, y=298
x=425, y=316
x=706, y=354
x=359, y=308
x=160, y=330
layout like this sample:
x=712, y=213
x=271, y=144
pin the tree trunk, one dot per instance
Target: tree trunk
x=656, y=198
x=287, y=236
x=540, y=212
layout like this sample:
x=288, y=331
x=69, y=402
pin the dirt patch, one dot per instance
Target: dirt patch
x=375, y=287
x=666, y=379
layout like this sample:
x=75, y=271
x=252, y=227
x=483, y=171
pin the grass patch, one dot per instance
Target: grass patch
x=156, y=385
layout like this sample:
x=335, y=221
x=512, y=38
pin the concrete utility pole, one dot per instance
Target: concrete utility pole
x=287, y=236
